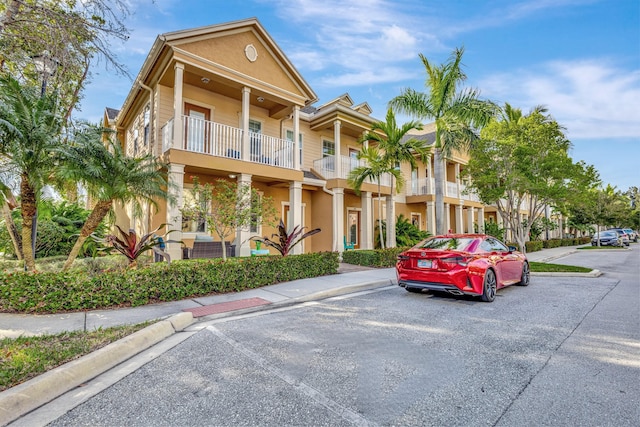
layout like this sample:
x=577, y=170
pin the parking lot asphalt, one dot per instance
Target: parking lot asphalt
x=174, y=317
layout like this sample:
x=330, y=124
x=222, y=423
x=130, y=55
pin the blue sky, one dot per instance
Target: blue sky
x=580, y=58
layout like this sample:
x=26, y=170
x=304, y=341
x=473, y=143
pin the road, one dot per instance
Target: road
x=562, y=351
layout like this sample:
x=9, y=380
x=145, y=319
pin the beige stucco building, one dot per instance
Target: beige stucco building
x=224, y=101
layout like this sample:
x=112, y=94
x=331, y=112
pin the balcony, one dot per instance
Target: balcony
x=426, y=186
x=328, y=168
x=215, y=139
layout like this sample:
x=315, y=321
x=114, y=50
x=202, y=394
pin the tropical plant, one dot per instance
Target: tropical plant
x=286, y=241
x=109, y=176
x=457, y=115
x=227, y=207
x=406, y=234
x=9, y=203
x=30, y=129
x=494, y=229
x=129, y=245
x=388, y=146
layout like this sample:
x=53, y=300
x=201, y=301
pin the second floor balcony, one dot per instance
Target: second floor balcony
x=339, y=167
x=216, y=139
x=426, y=186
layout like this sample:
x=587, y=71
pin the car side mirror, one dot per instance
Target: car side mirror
x=512, y=249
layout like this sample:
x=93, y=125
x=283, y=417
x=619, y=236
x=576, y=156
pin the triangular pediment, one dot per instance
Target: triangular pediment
x=243, y=52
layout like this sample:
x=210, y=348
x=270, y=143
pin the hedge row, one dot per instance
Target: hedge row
x=373, y=258
x=538, y=245
x=69, y=291
x=387, y=257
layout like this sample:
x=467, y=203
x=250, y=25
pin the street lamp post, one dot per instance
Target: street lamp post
x=45, y=65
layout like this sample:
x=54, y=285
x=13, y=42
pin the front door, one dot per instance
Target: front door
x=353, y=228
x=196, y=132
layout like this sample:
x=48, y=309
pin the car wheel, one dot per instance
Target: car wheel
x=526, y=276
x=489, y=286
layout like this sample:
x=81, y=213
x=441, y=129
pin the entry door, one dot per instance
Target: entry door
x=353, y=228
x=197, y=123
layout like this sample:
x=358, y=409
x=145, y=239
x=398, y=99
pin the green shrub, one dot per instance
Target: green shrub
x=534, y=246
x=551, y=243
x=373, y=257
x=49, y=292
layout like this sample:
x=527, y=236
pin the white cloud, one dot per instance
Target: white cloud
x=591, y=98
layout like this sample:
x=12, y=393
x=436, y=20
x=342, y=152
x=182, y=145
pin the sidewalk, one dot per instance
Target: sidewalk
x=174, y=317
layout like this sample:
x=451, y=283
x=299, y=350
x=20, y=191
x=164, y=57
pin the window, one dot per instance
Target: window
x=135, y=140
x=146, y=125
x=256, y=226
x=289, y=137
x=255, y=131
x=329, y=150
x=193, y=225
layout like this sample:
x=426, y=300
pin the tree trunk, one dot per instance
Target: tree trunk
x=438, y=176
x=13, y=231
x=98, y=213
x=380, y=216
x=9, y=14
x=28, y=205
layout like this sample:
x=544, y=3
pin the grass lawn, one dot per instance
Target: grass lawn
x=544, y=267
x=615, y=248
x=26, y=357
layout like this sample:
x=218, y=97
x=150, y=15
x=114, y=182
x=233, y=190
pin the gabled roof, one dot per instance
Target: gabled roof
x=363, y=108
x=174, y=43
x=344, y=99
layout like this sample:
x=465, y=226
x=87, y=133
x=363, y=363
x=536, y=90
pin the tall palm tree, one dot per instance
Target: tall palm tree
x=456, y=113
x=8, y=202
x=109, y=176
x=389, y=148
x=30, y=129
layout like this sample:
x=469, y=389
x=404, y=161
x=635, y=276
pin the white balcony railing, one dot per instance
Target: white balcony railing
x=328, y=168
x=216, y=139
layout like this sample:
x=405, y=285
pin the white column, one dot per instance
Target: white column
x=447, y=217
x=336, y=141
x=470, y=216
x=430, y=189
x=244, y=117
x=391, y=221
x=459, y=220
x=481, y=220
x=178, y=124
x=296, y=137
x=366, y=218
x=431, y=217
x=295, y=210
x=243, y=245
x=338, y=214
x=174, y=217
x=457, y=172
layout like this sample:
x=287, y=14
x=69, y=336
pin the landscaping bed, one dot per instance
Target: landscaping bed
x=51, y=292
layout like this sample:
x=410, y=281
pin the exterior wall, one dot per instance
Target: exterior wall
x=222, y=56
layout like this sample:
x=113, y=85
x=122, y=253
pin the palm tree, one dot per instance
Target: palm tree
x=30, y=129
x=109, y=176
x=456, y=114
x=390, y=148
x=8, y=202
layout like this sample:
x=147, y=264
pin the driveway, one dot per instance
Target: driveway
x=562, y=351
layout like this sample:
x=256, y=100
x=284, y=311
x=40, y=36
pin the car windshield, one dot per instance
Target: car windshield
x=608, y=234
x=446, y=243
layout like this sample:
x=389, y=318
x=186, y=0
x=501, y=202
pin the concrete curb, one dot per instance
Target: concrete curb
x=306, y=298
x=592, y=273
x=25, y=397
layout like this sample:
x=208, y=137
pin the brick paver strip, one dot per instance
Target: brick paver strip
x=224, y=307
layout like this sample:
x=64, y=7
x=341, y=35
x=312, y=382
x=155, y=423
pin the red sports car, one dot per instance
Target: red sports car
x=462, y=264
